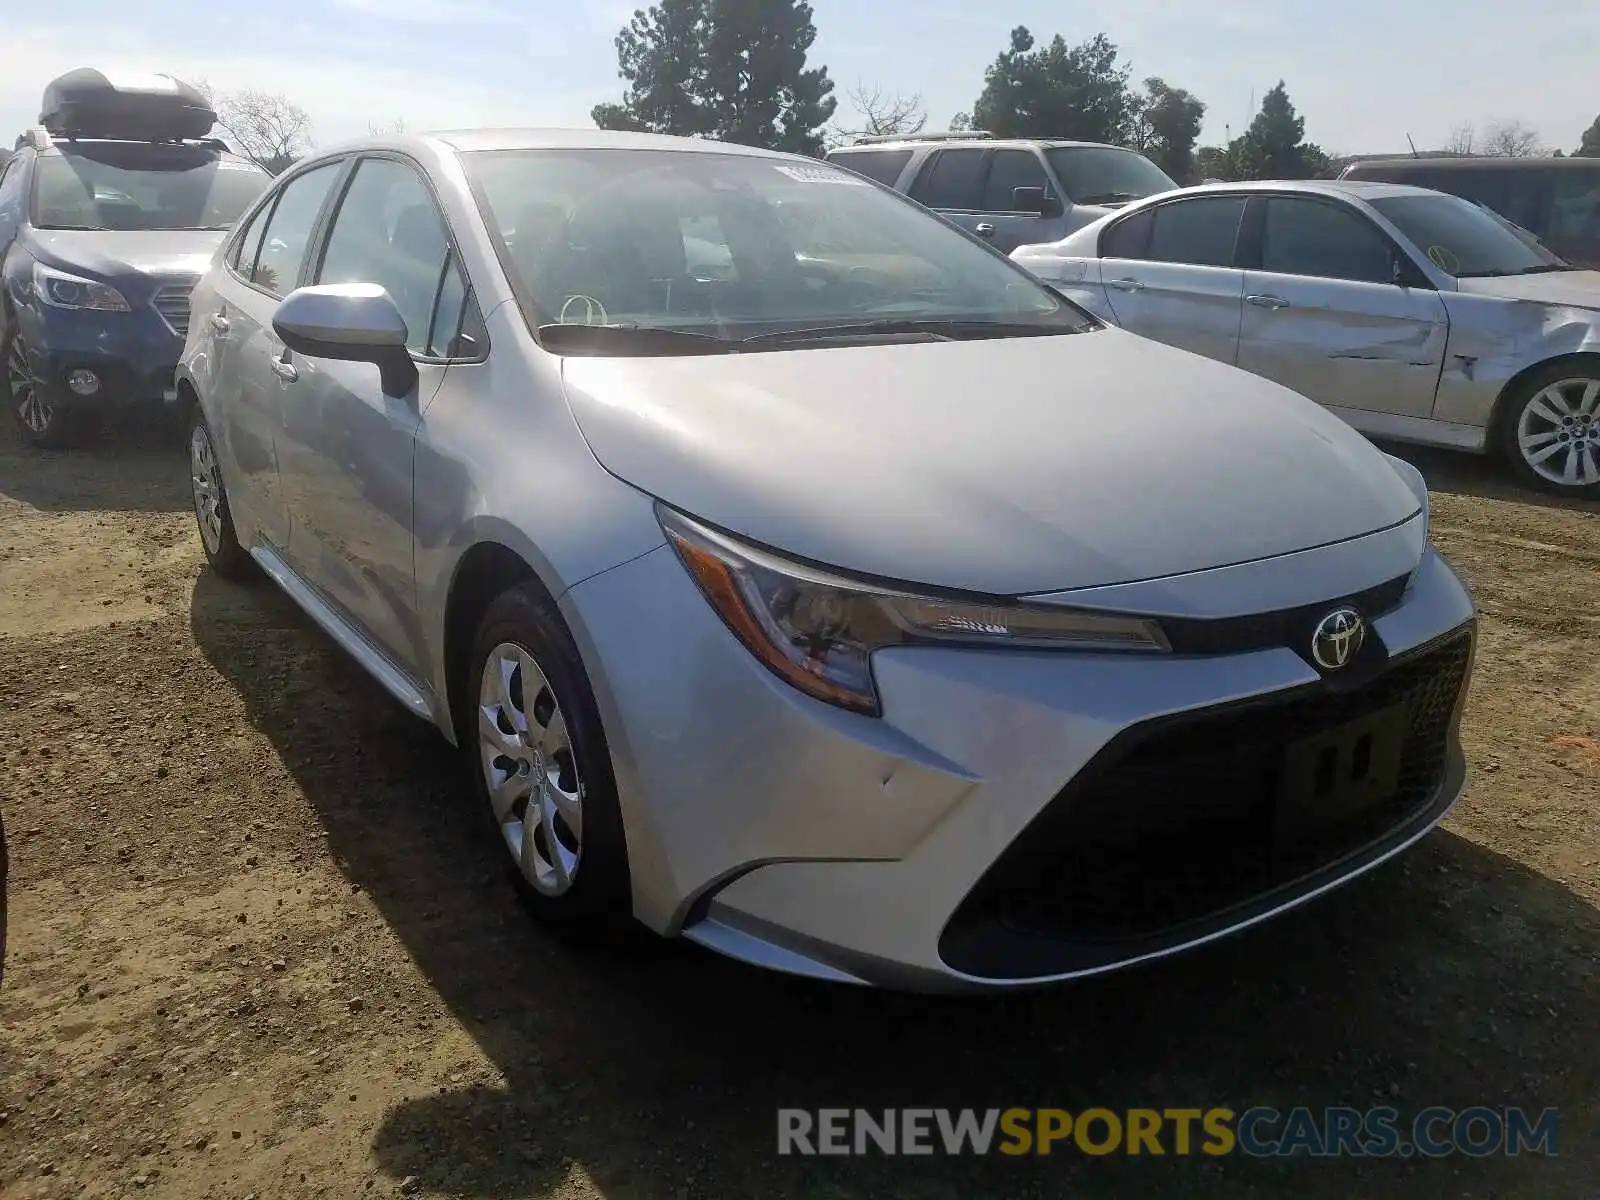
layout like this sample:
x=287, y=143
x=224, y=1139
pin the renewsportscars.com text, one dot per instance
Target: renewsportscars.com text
x=1257, y=1132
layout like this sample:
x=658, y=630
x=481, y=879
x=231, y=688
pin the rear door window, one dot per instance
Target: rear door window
x=1009, y=170
x=952, y=180
x=1202, y=232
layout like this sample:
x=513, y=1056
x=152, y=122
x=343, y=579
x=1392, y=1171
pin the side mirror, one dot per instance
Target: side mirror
x=1028, y=200
x=352, y=322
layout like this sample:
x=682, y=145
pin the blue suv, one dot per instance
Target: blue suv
x=102, y=237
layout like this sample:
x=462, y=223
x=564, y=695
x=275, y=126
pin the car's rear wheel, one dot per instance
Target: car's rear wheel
x=39, y=419
x=541, y=767
x=211, y=512
x=1551, y=430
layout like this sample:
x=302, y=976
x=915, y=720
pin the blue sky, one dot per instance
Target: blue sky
x=1363, y=73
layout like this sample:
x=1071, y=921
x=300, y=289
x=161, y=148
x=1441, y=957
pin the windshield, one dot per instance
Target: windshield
x=738, y=246
x=1106, y=175
x=142, y=186
x=1462, y=239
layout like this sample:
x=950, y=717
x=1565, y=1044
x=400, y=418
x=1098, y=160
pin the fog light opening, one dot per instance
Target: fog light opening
x=83, y=382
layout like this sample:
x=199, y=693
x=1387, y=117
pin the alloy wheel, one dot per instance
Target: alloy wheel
x=207, y=484
x=1558, y=433
x=529, y=769
x=33, y=410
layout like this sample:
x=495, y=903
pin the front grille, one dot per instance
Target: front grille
x=1176, y=822
x=171, y=300
x=1286, y=627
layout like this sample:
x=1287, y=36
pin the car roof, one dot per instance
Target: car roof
x=986, y=143
x=62, y=146
x=466, y=141
x=1350, y=189
x=1475, y=163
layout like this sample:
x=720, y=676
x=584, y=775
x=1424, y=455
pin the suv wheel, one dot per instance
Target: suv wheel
x=40, y=421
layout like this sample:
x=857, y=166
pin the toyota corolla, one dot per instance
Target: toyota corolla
x=799, y=576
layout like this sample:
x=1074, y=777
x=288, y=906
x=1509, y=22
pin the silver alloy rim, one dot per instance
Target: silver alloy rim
x=33, y=410
x=530, y=770
x=1558, y=433
x=207, y=489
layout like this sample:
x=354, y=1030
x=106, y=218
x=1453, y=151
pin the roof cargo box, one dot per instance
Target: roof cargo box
x=91, y=104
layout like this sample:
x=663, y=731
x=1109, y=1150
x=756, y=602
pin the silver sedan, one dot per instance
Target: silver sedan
x=763, y=543
x=1411, y=314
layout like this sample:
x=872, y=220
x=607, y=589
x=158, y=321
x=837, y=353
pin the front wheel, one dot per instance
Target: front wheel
x=40, y=420
x=541, y=767
x=1551, y=431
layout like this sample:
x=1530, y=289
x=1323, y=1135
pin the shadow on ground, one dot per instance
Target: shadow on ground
x=658, y=1070
x=1483, y=475
x=132, y=465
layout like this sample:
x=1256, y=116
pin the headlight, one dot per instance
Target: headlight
x=817, y=631
x=61, y=290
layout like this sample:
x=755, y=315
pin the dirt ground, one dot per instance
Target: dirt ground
x=259, y=946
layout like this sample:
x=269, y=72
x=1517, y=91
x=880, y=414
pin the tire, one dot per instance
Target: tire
x=40, y=421
x=212, y=515
x=525, y=753
x=1550, y=430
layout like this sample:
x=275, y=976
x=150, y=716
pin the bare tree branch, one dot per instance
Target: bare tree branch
x=1512, y=139
x=882, y=115
x=267, y=128
x=392, y=128
x=1463, y=140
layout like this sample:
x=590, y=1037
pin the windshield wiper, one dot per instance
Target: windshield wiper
x=940, y=329
x=624, y=338
x=1109, y=197
x=1546, y=268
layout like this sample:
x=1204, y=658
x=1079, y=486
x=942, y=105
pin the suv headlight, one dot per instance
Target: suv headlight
x=817, y=631
x=61, y=290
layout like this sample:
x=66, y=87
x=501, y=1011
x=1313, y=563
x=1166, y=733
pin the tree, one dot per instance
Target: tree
x=1463, y=141
x=1216, y=162
x=1274, y=147
x=267, y=128
x=392, y=128
x=961, y=123
x=1056, y=91
x=1512, y=139
x=1165, y=126
x=1589, y=147
x=883, y=116
x=734, y=70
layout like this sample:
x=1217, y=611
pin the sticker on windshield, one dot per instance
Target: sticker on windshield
x=821, y=175
x=1444, y=259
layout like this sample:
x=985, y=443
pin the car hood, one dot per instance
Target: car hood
x=119, y=253
x=1575, y=289
x=1003, y=466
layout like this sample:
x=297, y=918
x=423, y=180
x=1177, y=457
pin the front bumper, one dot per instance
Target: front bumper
x=957, y=842
x=133, y=354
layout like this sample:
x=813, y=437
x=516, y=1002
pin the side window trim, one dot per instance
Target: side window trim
x=318, y=225
x=323, y=230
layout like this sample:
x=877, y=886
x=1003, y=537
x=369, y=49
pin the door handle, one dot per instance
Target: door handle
x=1273, y=302
x=285, y=370
x=1125, y=285
x=984, y=229
x=219, y=323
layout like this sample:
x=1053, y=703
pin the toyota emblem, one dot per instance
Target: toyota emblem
x=1337, y=639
